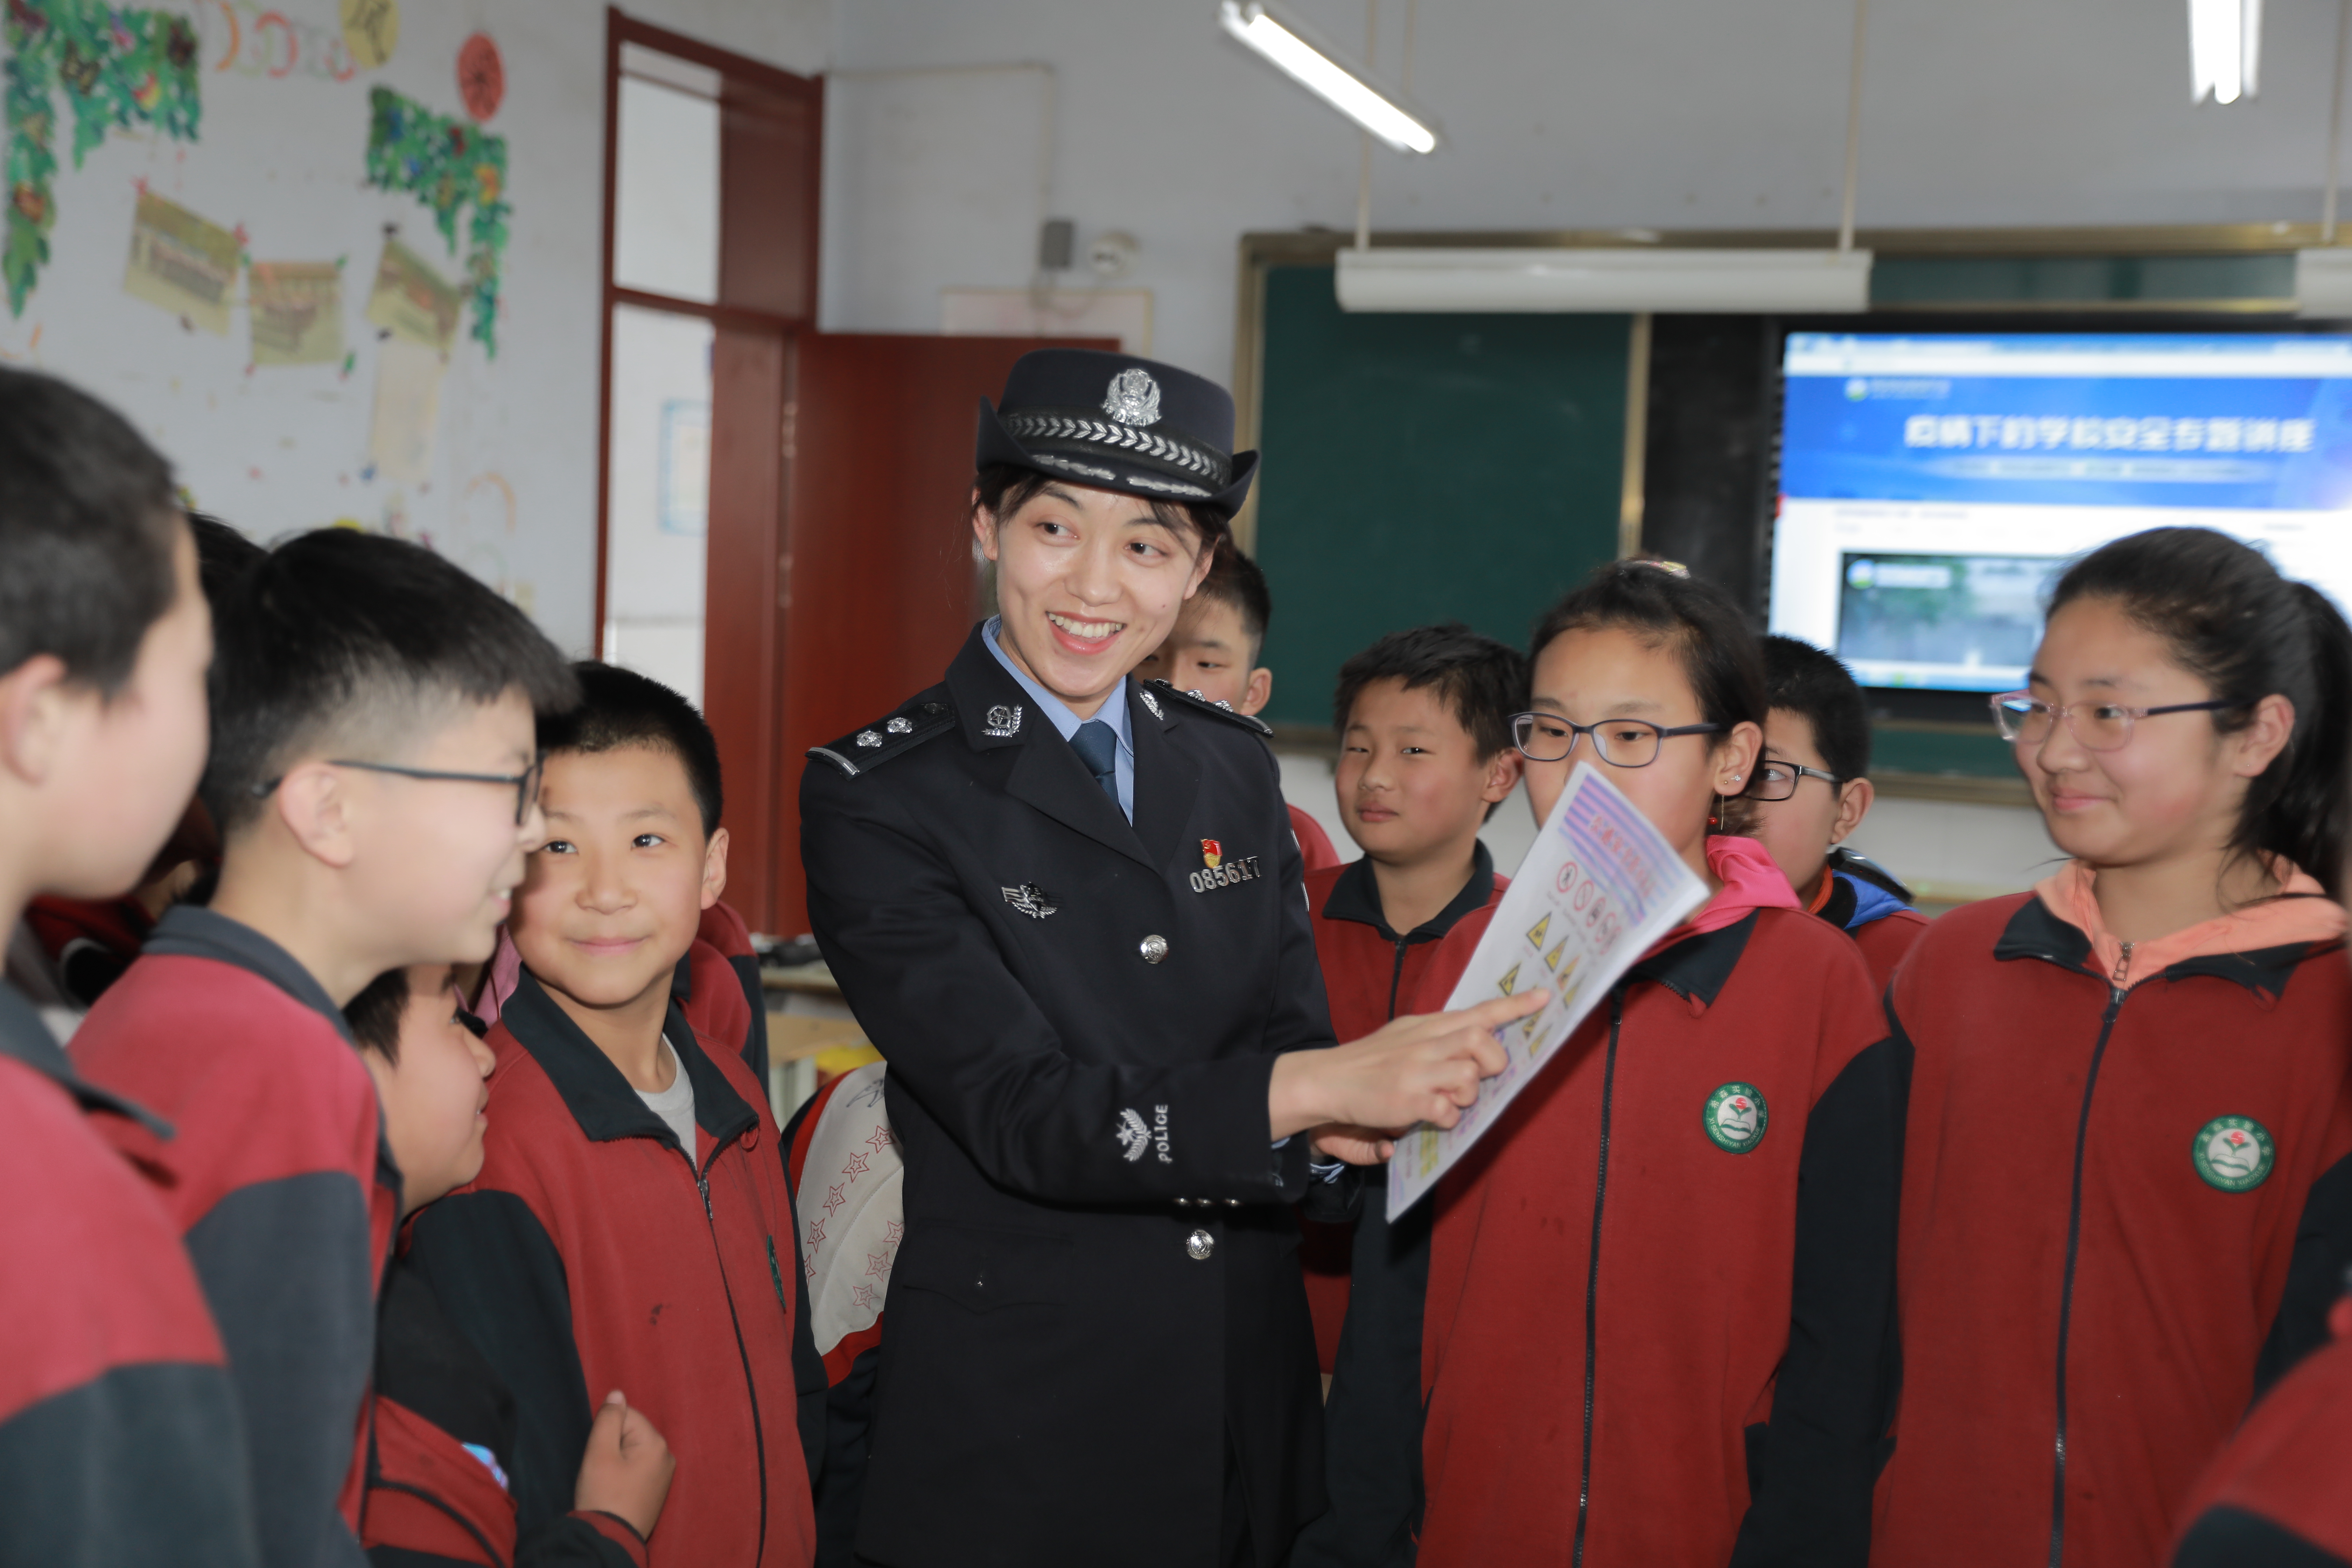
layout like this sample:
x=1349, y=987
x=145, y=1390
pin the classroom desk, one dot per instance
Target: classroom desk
x=812, y=1036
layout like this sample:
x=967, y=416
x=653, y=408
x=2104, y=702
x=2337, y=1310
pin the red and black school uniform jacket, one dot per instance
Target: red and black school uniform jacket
x=1314, y=844
x=1874, y=909
x=442, y=1449
x=118, y=1435
x=89, y=943
x=2280, y=1496
x=1656, y=1338
x=723, y=936
x=1372, y=1422
x=2091, y=1263
x=282, y=1188
x=593, y=1253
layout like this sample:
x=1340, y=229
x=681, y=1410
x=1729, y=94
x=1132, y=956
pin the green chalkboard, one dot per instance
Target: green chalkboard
x=1424, y=468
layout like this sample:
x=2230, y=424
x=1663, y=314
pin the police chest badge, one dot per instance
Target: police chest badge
x=1030, y=899
x=2234, y=1153
x=1734, y=1117
x=1219, y=872
x=1004, y=722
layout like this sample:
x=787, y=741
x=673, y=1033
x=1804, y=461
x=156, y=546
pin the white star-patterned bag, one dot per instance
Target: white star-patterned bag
x=850, y=1212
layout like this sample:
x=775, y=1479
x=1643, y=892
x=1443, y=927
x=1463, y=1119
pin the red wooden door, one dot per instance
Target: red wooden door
x=880, y=578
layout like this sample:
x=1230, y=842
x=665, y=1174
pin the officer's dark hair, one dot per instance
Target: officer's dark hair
x=1003, y=488
x=619, y=707
x=1483, y=682
x=374, y=1013
x=1816, y=686
x=339, y=643
x=1234, y=579
x=221, y=554
x=88, y=526
x=2230, y=619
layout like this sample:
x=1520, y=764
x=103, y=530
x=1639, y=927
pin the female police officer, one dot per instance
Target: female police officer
x=1067, y=909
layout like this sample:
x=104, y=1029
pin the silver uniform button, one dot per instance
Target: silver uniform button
x=1233, y=1203
x=1200, y=1244
x=1153, y=948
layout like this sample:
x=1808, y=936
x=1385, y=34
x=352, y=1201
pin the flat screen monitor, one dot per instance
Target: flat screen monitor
x=1933, y=486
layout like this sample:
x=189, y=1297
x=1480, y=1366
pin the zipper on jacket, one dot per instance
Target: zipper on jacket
x=777, y=1275
x=1592, y=1272
x=742, y=1352
x=2074, y=1239
x=1396, y=977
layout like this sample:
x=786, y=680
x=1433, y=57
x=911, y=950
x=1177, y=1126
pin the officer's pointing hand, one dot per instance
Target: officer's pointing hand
x=1412, y=1069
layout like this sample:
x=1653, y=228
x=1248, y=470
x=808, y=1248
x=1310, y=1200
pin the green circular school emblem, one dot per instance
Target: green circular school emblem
x=1735, y=1118
x=2232, y=1152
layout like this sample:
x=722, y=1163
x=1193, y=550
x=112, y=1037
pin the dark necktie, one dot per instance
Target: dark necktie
x=1096, y=744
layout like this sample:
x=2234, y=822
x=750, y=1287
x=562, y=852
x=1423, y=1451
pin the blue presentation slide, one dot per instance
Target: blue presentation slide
x=1933, y=486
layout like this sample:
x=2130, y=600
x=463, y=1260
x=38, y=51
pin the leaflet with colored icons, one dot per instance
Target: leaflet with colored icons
x=1597, y=888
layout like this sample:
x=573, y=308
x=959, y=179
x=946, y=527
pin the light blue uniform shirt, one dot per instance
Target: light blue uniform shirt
x=1113, y=713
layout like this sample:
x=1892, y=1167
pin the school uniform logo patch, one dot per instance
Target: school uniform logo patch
x=2234, y=1153
x=1734, y=1117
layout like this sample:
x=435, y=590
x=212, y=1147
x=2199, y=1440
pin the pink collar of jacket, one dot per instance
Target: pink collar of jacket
x=1752, y=880
x=2302, y=912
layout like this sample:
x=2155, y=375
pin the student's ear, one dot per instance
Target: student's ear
x=984, y=526
x=1855, y=798
x=1502, y=775
x=2261, y=741
x=1259, y=691
x=314, y=803
x=1206, y=558
x=34, y=708
x=1735, y=758
x=714, y=868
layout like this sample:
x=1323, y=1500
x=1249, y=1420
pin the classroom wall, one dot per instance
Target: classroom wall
x=1671, y=114
x=510, y=488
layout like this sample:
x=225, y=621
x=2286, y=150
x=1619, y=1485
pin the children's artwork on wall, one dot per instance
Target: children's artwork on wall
x=482, y=76
x=370, y=30
x=407, y=407
x=298, y=311
x=113, y=69
x=412, y=301
x=449, y=165
x=257, y=40
x=184, y=263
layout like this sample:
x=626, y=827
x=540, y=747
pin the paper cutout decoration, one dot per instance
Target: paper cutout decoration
x=412, y=301
x=449, y=165
x=370, y=30
x=112, y=69
x=482, y=76
x=298, y=311
x=182, y=263
x=407, y=408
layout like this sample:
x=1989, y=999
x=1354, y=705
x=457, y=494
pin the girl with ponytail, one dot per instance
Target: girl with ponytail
x=2122, y=1208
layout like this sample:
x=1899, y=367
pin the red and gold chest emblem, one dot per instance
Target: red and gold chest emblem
x=1213, y=853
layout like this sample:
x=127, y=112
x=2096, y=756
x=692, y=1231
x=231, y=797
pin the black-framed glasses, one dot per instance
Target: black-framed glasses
x=1620, y=743
x=525, y=783
x=2026, y=719
x=1778, y=780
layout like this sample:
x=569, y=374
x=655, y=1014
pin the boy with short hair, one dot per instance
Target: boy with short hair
x=373, y=774
x=1213, y=653
x=119, y=1432
x=1426, y=755
x=444, y=1425
x=1811, y=790
x=632, y=1226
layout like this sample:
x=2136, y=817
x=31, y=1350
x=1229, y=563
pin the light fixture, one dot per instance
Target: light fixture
x=1306, y=60
x=1797, y=281
x=2225, y=43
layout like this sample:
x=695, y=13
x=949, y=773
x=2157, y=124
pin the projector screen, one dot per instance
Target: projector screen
x=1933, y=486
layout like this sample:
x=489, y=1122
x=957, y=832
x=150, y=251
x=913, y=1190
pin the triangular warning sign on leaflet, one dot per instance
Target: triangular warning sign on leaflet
x=1551, y=959
x=1509, y=981
x=1535, y=937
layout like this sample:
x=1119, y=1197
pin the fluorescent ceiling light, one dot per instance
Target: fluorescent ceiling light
x=2225, y=43
x=2323, y=283
x=1630, y=279
x=1308, y=62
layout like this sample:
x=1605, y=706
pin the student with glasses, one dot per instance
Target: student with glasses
x=2126, y=1186
x=1656, y=1328
x=1812, y=790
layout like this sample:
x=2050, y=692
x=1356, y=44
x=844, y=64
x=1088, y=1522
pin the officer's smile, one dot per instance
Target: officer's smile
x=1083, y=636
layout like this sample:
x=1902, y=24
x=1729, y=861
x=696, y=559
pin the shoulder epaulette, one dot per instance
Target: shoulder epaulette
x=1215, y=710
x=861, y=750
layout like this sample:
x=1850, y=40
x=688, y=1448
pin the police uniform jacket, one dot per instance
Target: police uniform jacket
x=1097, y=1305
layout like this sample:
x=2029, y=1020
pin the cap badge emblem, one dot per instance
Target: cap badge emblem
x=1213, y=853
x=2234, y=1153
x=1735, y=1118
x=1004, y=722
x=1133, y=398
